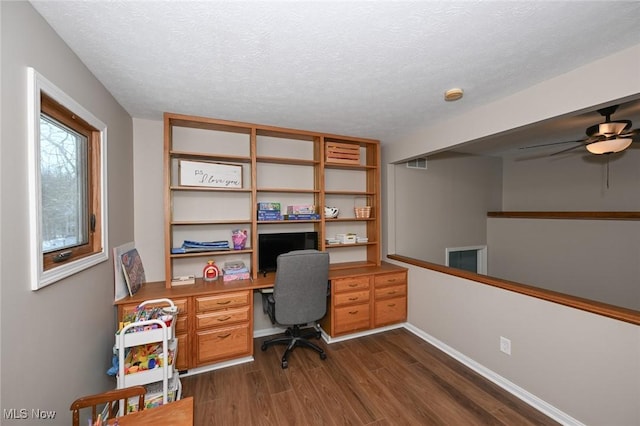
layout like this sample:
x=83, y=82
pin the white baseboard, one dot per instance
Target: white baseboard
x=225, y=364
x=330, y=339
x=537, y=403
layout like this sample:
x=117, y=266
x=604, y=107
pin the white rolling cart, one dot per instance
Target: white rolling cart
x=145, y=332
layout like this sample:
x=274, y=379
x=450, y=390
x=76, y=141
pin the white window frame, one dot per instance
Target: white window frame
x=482, y=256
x=40, y=278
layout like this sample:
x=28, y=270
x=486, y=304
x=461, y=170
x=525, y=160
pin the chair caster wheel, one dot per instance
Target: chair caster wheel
x=323, y=356
x=318, y=335
x=285, y=364
x=263, y=347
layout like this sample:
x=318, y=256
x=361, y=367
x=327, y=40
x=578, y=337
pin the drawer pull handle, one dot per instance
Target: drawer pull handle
x=226, y=302
x=224, y=336
x=353, y=298
x=392, y=280
x=391, y=305
x=391, y=292
x=353, y=285
x=224, y=319
x=353, y=312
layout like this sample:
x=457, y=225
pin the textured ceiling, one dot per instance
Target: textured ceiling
x=364, y=68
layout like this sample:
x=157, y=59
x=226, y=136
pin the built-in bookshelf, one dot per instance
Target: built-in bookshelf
x=266, y=164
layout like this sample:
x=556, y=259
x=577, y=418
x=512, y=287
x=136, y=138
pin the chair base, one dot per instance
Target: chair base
x=294, y=336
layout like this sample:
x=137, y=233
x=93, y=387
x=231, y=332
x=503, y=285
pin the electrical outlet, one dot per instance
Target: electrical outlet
x=505, y=345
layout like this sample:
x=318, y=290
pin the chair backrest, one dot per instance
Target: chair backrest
x=300, y=288
x=109, y=398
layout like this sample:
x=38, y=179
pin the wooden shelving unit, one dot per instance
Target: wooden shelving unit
x=278, y=165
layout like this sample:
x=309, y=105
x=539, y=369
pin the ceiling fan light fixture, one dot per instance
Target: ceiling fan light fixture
x=609, y=146
x=612, y=128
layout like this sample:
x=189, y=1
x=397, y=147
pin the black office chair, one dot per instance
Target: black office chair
x=299, y=298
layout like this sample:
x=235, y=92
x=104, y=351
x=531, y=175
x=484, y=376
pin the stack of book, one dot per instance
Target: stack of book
x=269, y=211
x=235, y=270
x=302, y=212
x=200, y=246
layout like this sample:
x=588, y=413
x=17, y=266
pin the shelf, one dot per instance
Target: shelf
x=210, y=222
x=207, y=189
x=370, y=243
x=210, y=157
x=277, y=222
x=348, y=166
x=351, y=219
x=290, y=190
x=290, y=161
x=351, y=193
x=209, y=253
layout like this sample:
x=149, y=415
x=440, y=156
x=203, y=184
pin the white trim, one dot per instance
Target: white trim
x=36, y=83
x=218, y=366
x=331, y=340
x=512, y=388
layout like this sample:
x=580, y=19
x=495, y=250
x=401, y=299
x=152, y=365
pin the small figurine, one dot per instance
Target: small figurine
x=210, y=272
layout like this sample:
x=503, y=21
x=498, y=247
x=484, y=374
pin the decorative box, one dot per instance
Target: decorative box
x=234, y=277
x=269, y=206
x=301, y=209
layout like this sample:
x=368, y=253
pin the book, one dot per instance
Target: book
x=183, y=280
x=220, y=243
x=302, y=216
x=133, y=270
x=183, y=250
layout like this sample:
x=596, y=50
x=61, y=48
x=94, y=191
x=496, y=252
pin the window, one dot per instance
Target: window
x=67, y=184
x=472, y=259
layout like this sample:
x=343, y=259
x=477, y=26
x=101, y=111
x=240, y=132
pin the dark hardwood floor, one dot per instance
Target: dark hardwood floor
x=389, y=378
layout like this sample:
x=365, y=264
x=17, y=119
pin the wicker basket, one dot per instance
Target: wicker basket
x=362, y=212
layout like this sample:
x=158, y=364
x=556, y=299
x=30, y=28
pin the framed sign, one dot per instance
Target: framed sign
x=215, y=175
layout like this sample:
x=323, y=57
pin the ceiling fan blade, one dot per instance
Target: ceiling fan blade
x=631, y=133
x=567, y=150
x=551, y=144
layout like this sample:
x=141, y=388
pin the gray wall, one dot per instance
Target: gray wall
x=56, y=342
x=575, y=181
x=448, y=204
x=585, y=365
x=598, y=260
x=593, y=259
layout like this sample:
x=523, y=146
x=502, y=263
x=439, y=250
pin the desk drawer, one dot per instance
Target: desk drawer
x=350, y=284
x=223, y=343
x=222, y=318
x=351, y=318
x=390, y=311
x=222, y=301
x=351, y=297
x=390, y=279
x=391, y=291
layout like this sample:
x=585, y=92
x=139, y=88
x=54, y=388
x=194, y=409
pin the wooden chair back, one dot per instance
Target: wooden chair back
x=110, y=398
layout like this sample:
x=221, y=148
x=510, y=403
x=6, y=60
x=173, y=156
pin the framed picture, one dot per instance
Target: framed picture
x=214, y=175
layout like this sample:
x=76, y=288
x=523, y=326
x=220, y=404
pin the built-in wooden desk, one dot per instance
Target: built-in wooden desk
x=178, y=413
x=215, y=319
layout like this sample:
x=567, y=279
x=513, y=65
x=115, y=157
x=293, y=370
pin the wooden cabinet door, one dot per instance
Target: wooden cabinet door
x=390, y=311
x=218, y=344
